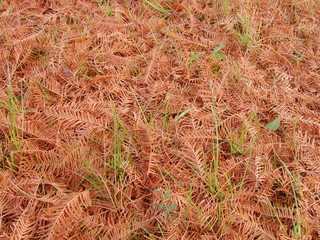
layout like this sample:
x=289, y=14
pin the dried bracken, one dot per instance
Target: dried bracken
x=150, y=119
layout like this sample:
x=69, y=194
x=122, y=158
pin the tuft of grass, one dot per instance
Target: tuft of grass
x=15, y=108
x=157, y=6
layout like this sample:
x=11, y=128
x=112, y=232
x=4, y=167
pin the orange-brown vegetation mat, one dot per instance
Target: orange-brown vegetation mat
x=159, y=119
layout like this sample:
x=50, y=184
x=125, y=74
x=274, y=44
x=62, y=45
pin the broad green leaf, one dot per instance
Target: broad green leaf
x=274, y=125
x=171, y=207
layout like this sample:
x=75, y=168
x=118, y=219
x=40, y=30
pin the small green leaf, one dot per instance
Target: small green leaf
x=171, y=207
x=156, y=190
x=274, y=125
x=194, y=57
x=160, y=206
x=216, y=53
x=219, y=56
x=218, y=48
x=182, y=114
x=167, y=193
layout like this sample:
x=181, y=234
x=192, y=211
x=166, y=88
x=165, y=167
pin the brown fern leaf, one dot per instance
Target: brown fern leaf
x=149, y=75
x=145, y=165
x=25, y=227
x=62, y=217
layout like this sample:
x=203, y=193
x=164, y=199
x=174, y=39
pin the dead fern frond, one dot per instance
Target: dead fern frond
x=25, y=227
x=63, y=216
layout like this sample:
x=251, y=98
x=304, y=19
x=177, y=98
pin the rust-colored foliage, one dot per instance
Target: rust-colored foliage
x=146, y=119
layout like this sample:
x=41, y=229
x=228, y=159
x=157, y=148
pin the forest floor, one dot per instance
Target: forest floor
x=159, y=119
